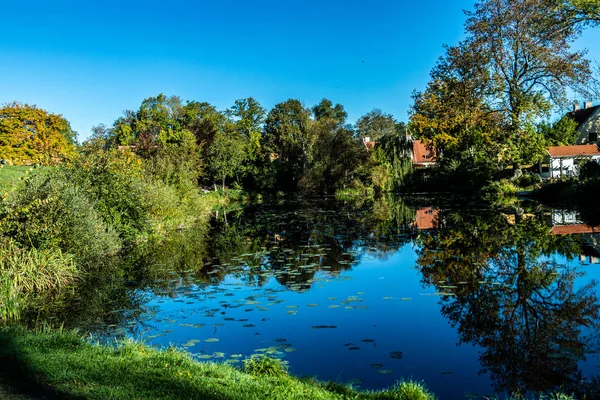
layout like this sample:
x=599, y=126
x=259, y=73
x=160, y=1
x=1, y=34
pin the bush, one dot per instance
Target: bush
x=589, y=171
x=51, y=211
x=528, y=180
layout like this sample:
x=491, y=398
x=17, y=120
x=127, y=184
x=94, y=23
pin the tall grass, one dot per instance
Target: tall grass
x=30, y=271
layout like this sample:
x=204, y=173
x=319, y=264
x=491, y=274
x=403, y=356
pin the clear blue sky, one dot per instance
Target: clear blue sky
x=90, y=61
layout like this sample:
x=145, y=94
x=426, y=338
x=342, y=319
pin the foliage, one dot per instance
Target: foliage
x=590, y=171
x=288, y=141
x=562, y=133
x=335, y=158
x=31, y=135
x=375, y=125
x=50, y=211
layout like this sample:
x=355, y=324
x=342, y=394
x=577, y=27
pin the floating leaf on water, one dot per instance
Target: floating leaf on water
x=280, y=340
x=353, y=348
x=198, y=326
x=205, y=356
x=216, y=325
x=396, y=355
x=376, y=365
x=405, y=298
x=236, y=356
x=447, y=373
x=243, y=319
x=388, y=298
x=218, y=354
x=323, y=327
x=291, y=306
x=444, y=294
x=386, y=371
x=292, y=312
x=360, y=293
x=289, y=349
x=348, y=344
x=229, y=319
x=368, y=341
x=248, y=326
x=332, y=298
x=334, y=306
x=211, y=340
x=261, y=350
x=312, y=305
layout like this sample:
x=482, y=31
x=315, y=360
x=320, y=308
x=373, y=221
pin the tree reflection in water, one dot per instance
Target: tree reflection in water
x=504, y=292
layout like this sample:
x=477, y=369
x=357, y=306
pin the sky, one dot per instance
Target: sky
x=89, y=61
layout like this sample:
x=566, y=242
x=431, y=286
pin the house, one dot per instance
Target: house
x=368, y=142
x=588, y=122
x=421, y=156
x=565, y=160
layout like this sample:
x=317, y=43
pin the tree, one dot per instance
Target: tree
x=530, y=62
x=375, y=124
x=335, y=157
x=31, y=134
x=287, y=140
x=561, y=133
x=326, y=110
x=249, y=116
x=225, y=156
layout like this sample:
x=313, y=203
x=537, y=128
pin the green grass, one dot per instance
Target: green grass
x=10, y=175
x=52, y=364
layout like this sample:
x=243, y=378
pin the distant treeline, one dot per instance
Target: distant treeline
x=288, y=148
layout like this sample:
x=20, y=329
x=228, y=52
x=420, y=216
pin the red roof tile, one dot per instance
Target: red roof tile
x=569, y=151
x=426, y=218
x=573, y=229
x=420, y=153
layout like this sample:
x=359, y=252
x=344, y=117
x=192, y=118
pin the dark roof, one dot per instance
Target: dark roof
x=580, y=116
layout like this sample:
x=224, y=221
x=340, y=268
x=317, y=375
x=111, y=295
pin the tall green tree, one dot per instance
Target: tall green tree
x=375, y=124
x=249, y=116
x=326, y=110
x=288, y=142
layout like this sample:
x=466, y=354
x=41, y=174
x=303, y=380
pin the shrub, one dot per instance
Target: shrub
x=51, y=211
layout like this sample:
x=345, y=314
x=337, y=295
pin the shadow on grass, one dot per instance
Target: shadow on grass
x=18, y=377
x=31, y=377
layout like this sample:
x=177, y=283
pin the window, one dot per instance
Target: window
x=593, y=136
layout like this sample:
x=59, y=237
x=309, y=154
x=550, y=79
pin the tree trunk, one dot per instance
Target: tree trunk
x=223, y=183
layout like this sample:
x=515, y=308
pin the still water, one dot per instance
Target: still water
x=472, y=301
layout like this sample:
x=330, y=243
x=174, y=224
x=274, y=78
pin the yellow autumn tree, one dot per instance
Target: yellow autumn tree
x=32, y=135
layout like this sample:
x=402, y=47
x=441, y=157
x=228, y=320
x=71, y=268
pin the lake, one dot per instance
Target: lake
x=470, y=300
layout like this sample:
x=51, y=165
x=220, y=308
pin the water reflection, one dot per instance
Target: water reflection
x=340, y=279
x=504, y=291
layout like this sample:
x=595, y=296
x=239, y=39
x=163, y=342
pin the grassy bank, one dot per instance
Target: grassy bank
x=10, y=175
x=62, y=365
